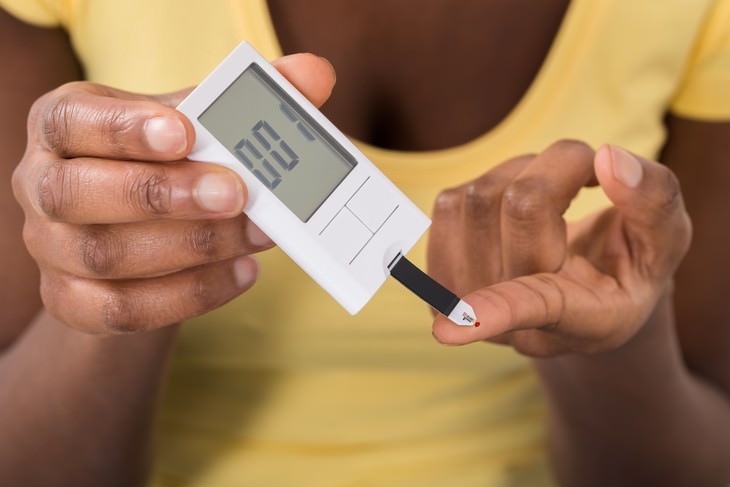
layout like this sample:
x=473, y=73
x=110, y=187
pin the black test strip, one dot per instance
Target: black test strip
x=433, y=293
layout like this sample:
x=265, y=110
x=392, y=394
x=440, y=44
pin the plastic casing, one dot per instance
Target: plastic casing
x=317, y=245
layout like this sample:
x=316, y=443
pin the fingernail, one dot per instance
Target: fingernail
x=219, y=192
x=165, y=134
x=626, y=168
x=245, y=270
x=256, y=236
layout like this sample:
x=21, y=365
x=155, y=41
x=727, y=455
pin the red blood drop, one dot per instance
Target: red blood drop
x=476, y=325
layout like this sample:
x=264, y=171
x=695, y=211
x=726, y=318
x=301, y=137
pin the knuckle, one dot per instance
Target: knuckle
x=57, y=114
x=102, y=252
x=670, y=197
x=480, y=195
x=448, y=201
x=32, y=237
x=120, y=312
x=672, y=204
x=202, y=294
x=526, y=200
x=61, y=296
x=17, y=182
x=554, y=300
x=149, y=192
x=685, y=233
x=111, y=310
x=201, y=239
x=56, y=189
x=549, y=295
x=50, y=291
x=115, y=125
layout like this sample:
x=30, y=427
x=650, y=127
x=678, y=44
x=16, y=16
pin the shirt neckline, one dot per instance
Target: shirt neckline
x=447, y=166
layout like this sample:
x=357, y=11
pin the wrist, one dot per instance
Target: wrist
x=142, y=350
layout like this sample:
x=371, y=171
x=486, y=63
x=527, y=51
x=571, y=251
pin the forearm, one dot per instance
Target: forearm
x=76, y=409
x=636, y=416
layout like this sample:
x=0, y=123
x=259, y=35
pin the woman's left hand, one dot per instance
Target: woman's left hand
x=546, y=287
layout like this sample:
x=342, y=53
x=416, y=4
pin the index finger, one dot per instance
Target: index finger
x=533, y=230
x=88, y=120
x=85, y=119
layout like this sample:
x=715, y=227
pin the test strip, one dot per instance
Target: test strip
x=433, y=293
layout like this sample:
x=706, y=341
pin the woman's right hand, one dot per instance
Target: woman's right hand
x=128, y=235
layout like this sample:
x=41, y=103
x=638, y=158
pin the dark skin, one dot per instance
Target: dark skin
x=107, y=384
x=451, y=70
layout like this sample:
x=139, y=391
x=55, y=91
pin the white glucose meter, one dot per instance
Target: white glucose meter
x=309, y=188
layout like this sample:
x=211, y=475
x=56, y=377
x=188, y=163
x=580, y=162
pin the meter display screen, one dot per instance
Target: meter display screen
x=275, y=139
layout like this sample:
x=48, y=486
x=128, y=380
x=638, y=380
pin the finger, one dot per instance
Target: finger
x=466, y=223
x=85, y=119
x=481, y=225
x=314, y=76
x=91, y=191
x=548, y=302
x=649, y=198
x=532, y=227
x=141, y=250
x=444, y=255
x=537, y=343
x=99, y=306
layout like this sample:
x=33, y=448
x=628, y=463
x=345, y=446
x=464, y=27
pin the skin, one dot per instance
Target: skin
x=101, y=247
x=593, y=303
x=412, y=105
x=618, y=267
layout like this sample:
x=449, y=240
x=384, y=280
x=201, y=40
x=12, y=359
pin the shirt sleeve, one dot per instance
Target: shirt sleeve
x=704, y=92
x=43, y=13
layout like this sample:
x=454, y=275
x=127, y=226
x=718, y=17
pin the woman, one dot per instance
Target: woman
x=282, y=387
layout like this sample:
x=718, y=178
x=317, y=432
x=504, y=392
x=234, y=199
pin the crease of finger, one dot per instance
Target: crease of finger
x=101, y=123
x=138, y=250
x=134, y=305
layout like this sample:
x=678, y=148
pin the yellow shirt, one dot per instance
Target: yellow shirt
x=282, y=387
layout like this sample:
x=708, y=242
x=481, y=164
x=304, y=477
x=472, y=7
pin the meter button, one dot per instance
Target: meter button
x=345, y=235
x=373, y=204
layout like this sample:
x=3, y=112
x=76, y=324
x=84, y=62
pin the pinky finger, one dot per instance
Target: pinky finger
x=109, y=307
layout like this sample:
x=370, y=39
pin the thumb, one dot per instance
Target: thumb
x=648, y=196
x=173, y=99
x=314, y=76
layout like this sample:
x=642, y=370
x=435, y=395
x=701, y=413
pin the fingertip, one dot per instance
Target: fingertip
x=245, y=271
x=256, y=236
x=626, y=167
x=166, y=135
x=190, y=135
x=603, y=156
x=221, y=192
x=602, y=164
x=331, y=67
x=448, y=333
x=615, y=163
x=313, y=75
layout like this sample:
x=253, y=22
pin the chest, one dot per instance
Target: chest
x=430, y=80
x=422, y=75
